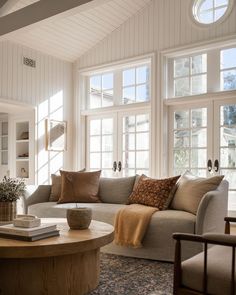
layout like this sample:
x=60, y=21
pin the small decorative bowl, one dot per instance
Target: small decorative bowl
x=79, y=218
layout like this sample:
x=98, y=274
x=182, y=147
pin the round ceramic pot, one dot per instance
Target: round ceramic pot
x=79, y=218
x=7, y=211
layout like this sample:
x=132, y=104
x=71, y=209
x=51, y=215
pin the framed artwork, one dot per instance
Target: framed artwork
x=56, y=133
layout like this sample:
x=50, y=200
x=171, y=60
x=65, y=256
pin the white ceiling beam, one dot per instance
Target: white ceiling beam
x=43, y=11
x=6, y=6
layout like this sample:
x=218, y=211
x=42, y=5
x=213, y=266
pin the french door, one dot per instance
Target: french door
x=119, y=144
x=202, y=139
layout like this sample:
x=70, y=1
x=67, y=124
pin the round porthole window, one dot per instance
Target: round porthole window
x=210, y=11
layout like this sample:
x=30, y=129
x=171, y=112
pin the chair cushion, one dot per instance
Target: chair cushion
x=115, y=190
x=191, y=189
x=218, y=271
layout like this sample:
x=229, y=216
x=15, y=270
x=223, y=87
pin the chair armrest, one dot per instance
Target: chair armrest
x=212, y=210
x=220, y=239
x=35, y=194
x=187, y=237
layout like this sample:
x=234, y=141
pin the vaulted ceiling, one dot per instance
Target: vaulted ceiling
x=70, y=37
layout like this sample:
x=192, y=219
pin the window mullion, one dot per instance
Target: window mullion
x=118, y=87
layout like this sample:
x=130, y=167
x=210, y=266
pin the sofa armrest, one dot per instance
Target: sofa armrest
x=35, y=194
x=212, y=210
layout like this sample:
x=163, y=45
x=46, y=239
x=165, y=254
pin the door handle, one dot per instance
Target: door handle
x=216, y=165
x=209, y=165
x=114, y=167
x=119, y=166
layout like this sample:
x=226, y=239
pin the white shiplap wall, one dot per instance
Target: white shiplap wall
x=162, y=24
x=48, y=87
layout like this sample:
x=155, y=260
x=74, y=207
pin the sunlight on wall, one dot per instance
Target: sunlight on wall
x=49, y=161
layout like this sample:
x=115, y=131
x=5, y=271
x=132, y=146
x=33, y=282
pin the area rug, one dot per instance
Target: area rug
x=134, y=276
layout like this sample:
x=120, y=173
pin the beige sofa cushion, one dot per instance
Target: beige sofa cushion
x=191, y=189
x=218, y=271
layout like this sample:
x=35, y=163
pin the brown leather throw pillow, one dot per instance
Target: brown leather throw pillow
x=153, y=192
x=79, y=187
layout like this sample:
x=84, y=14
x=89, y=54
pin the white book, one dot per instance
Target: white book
x=27, y=232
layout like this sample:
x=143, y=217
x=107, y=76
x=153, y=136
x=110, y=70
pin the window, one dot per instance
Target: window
x=101, y=91
x=228, y=69
x=122, y=86
x=190, y=75
x=209, y=11
x=135, y=85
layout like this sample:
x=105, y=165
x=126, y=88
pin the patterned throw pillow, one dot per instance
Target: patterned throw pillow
x=154, y=192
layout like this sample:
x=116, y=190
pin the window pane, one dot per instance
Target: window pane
x=129, y=77
x=228, y=58
x=129, y=124
x=230, y=175
x=128, y=142
x=128, y=95
x=107, y=81
x=181, y=67
x=199, y=172
x=228, y=80
x=107, y=98
x=142, y=171
x=228, y=115
x=107, y=143
x=198, y=158
x=199, y=137
x=199, y=117
x=199, y=84
x=199, y=64
x=181, y=138
x=142, y=141
x=142, y=75
x=206, y=17
x=181, y=119
x=142, y=93
x=182, y=87
x=206, y=4
x=129, y=159
x=95, y=99
x=142, y=122
x=221, y=2
x=95, y=144
x=181, y=158
x=95, y=127
x=228, y=136
x=107, y=160
x=95, y=83
x=142, y=160
x=95, y=160
x=128, y=172
x=219, y=13
x=228, y=157
x=107, y=126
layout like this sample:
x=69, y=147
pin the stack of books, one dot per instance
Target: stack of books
x=9, y=231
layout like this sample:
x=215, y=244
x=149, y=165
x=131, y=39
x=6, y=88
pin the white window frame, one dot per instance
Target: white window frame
x=82, y=111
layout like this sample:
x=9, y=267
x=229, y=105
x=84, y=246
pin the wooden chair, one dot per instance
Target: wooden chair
x=211, y=271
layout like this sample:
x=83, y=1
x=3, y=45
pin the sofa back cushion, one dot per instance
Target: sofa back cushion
x=115, y=190
x=191, y=189
x=79, y=187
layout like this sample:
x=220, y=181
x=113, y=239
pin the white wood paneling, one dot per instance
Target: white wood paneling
x=162, y=24
x=48, y=88
x=72, y=36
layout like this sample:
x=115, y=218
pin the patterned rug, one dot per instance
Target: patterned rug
x=133, y=276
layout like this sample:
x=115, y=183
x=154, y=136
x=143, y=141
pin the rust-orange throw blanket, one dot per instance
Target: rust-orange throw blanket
x=131, y=224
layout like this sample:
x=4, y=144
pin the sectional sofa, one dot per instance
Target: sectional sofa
x=158, y=243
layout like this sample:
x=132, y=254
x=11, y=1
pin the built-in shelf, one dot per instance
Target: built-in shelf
x=4, y=143
x=22, y=140
x=22, y=159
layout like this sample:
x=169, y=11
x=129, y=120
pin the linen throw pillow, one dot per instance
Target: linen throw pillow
x=56, y=187
x=79, y=187
x=153, y=192
x=191, y=189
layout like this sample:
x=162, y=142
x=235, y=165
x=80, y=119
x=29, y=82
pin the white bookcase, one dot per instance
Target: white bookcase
x=3, y=146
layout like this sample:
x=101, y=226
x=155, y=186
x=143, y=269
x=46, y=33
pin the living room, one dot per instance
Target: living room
x=141, y=87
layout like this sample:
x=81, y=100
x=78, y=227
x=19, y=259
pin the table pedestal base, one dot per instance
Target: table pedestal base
x=73, y=274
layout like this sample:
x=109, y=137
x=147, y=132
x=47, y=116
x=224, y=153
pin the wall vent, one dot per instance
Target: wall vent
x=29, y=62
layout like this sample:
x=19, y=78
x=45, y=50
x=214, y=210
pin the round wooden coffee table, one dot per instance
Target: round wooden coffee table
x=64, y=265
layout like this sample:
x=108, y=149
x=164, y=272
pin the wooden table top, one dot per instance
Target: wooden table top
x=70, y=241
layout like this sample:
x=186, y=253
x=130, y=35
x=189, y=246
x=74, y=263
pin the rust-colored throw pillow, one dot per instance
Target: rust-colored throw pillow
x=153, y=192
x=79, y=187
x=56, y=187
